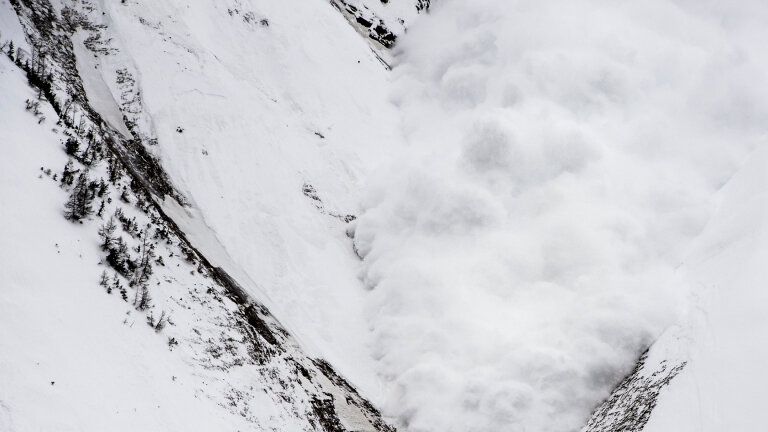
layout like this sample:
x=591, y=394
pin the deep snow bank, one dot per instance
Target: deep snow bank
x=522, y=251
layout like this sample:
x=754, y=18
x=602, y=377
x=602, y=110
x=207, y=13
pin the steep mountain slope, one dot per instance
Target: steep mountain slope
x=247, y=117
x=249, y=215
x=723, y=386
x=711, y=353
x=219, y=353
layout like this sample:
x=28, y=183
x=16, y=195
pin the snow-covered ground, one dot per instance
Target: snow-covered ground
x=723, y=387
x=246, y=114
x=71, y=356
x=541, y=190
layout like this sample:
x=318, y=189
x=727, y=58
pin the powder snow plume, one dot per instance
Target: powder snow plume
x=561, y=156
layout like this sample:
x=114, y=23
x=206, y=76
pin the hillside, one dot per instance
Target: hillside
x=368, y=215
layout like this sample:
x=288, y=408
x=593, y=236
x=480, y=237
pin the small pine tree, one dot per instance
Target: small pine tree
x=107, y=234
x=104, y=282
x=10, y=50
x=68, y=176
x=161, y=322
x=102, y=188
x=79, y=204
x=71, y=147
x=116, y=285
x=118, y=256
x=146, y=255
x=114, y=170
x=142, y=301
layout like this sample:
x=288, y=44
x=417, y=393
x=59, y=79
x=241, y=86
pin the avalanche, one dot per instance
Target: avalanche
x=563, y=159
x=362, y=215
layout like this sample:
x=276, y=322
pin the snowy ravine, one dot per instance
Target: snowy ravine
x=113, y=316
x=371, y=215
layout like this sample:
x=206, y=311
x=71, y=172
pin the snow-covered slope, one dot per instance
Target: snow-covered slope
x=246, y=115
x=723, y=387
x=74, y=357
x=251, y=103
x=490, y=215
x=84, y=348
x=209, y=346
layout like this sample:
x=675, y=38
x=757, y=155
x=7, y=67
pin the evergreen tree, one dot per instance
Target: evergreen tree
x=102, y=188
x=118, y=286
x=104, y=281
x=79, y=204
x=107, y=234
x=142, y=301
x=118, y=256
x=72, y=147
x=113, y=169
x=146, y=255
x=161, y=322
x=68, y=176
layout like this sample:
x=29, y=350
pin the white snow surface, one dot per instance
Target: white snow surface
x=543, y=189
x=10, y=28
x=245, y=114
x=723, y=386
x=99, y=95
x=70, y=356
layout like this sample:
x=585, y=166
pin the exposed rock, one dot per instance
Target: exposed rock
x=630, y=405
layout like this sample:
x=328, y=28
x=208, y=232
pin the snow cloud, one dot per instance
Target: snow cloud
x=561, y=156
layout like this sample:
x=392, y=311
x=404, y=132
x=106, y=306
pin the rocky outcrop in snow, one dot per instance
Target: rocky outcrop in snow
x=630, y=405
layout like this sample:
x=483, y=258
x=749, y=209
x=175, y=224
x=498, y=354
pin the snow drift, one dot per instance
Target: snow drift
x=522, y=252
